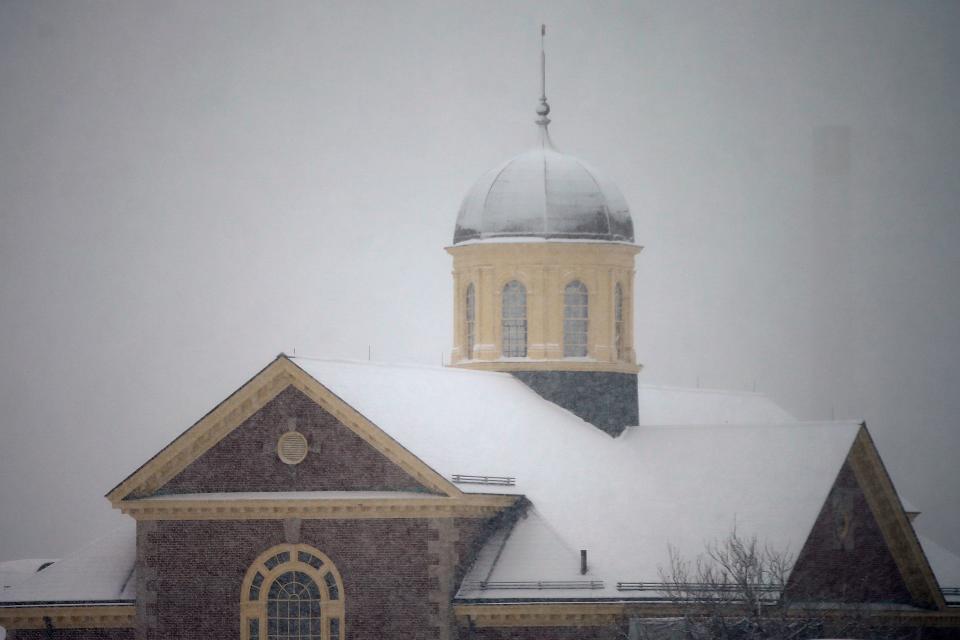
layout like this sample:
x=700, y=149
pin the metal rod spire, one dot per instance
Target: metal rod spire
x=543, y=65
x=543, y=109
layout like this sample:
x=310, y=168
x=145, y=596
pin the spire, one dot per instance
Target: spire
x=543, y=109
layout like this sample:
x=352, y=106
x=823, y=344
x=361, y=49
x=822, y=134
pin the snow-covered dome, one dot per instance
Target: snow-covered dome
x=543, y=193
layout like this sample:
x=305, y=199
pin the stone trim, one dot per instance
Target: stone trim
x=589, y=614
x=467, y=506
x=205, y=433
x=147, y=578
x=251, y=609
x=371, y=433
x=87, y=616
x=442, y=552
x=896, y=528
x=242, y=404
x=532, y=364
x=574, y=614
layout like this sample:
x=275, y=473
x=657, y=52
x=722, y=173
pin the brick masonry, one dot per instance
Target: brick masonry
x=71, y=634
x=246, y=459
x=611, y=632
x=845, y=557
x=399, y=575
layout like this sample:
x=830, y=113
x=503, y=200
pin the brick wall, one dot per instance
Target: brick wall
x=611, y=632
x=845, y=558
x=71, y=634
x=246, y=459
x=399, y=575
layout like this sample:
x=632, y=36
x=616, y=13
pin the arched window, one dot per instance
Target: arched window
x=292, y=591
x=470, y=322
x=514, y=320
x=575, y=320
x=618, y=321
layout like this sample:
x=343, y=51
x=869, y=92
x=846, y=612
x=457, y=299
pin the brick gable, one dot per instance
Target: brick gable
x=246, y=458
x=846, y=558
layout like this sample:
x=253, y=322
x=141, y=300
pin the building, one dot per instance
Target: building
x=531, y=490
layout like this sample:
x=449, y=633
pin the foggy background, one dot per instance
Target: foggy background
x=187, y=189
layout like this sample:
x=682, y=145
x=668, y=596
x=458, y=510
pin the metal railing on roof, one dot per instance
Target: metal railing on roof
x=950, y=591
x=695, y=587
x=503, y=481
x=701, y=592
x=484, y=585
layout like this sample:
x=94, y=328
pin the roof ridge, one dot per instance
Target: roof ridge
x=669, y=387
x=395, y=365
x=763, y=425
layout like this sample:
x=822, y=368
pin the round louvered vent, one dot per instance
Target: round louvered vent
x=292, y=447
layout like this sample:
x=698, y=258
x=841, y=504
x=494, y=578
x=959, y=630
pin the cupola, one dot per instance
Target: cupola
x=543, y=264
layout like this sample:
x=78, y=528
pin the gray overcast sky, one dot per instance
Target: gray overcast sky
x=187, y=189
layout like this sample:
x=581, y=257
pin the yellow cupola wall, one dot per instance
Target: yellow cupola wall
x=578, y=311
x=543, y=266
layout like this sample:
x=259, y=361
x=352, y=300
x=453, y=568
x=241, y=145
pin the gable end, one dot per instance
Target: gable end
x=242, y=405
x=861, y=547
x=248, y=460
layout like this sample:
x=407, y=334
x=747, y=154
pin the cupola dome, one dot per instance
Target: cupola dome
x=543, y=193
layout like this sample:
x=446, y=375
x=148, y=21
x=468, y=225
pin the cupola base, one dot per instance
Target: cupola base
x=607, y=400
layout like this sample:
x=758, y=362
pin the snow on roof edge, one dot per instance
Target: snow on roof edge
x=760, y=425
x=98, y=572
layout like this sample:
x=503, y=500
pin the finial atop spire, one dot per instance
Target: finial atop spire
x=543, y=109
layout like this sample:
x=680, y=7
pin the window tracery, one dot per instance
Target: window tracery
x=514, y=320
x=292, y=591
x=575, y=318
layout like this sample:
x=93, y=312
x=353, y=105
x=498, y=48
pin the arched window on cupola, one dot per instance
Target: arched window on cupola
x=618, y=321
x=575, y=319
x=513, y=317
x=292, y=591
x=470, y=322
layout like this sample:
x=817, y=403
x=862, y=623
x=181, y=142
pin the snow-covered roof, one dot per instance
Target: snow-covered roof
x=908, y=506
x=676, y=405
x=102, y=571
x=674, y=480
x=946, y=567
x=622, y=499
x=13, y=572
